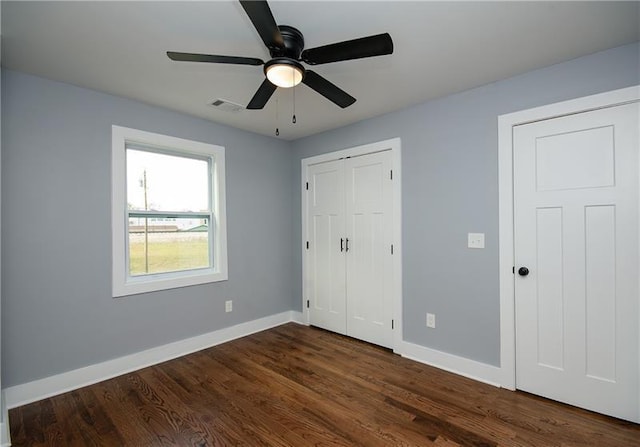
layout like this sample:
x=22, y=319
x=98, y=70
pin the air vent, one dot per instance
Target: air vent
x=226, y=106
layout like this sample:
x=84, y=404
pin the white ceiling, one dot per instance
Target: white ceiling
x=440, y=48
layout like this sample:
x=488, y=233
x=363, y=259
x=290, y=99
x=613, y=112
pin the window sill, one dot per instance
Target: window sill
x=153, y=283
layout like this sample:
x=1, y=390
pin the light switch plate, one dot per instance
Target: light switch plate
x=475, y=240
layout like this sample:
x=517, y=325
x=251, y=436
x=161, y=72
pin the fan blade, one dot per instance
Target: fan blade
x=261, y=97
x=193, y=57
x=377, y=45
x=260, y=15
x=327, y=89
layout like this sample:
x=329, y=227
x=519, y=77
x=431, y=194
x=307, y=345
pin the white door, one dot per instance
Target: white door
x=576, y=230
x=349, y=274
x=326, y=269
x=369, y=259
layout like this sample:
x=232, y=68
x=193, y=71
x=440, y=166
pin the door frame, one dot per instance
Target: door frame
x=506, y=123
x=393, y=144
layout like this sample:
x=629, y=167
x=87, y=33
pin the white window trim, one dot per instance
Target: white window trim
x=122, y=283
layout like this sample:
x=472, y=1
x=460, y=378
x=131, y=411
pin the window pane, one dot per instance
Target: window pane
x=161, y=245
x=166, y=182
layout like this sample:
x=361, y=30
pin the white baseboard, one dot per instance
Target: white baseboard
x=298, y=317
x=471, y=369
x=19, y=395
x=5, y=436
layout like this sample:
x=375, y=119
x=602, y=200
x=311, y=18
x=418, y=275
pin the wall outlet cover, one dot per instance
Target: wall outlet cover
x=431, y=320
x=228, y=306
x=475, y=240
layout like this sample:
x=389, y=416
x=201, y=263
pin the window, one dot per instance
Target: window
x=168, y=212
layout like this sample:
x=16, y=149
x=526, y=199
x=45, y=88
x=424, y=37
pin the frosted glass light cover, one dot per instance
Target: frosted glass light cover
x=284, y=75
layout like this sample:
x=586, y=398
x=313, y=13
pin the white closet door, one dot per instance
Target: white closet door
x=326, y=270
x=576, y=230
x=368, y=193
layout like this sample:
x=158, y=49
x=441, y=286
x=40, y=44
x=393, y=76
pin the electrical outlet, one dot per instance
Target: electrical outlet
x=228, y=306
x=431, y=320
x=475, y=240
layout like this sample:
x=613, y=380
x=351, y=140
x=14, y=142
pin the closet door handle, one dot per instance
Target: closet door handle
x=341, y=244
x=347, y=245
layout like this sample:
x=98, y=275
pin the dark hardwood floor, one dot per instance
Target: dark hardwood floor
x=299, y=386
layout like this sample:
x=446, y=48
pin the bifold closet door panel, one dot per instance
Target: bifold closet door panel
x=369, y=207
x=326, y=269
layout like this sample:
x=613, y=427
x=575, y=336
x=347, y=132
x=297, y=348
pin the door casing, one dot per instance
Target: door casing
x=394, y=145
x=506, y=123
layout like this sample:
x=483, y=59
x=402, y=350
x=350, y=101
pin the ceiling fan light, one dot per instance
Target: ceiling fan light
x=284, y=74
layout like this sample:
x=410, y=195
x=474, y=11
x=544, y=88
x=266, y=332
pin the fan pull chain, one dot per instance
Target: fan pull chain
x=277, y=130
x=293, y=120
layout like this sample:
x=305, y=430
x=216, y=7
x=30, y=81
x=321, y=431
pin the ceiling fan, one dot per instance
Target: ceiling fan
x=286, y=47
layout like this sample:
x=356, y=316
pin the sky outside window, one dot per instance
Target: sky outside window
x=173, y=183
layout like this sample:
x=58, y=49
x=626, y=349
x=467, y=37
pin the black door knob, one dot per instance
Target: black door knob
x=523, y=271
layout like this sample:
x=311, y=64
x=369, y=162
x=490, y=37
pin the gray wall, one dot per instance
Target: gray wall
x=57, y=309
x=450, y=188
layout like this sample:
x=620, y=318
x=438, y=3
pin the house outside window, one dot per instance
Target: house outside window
x=168, y=212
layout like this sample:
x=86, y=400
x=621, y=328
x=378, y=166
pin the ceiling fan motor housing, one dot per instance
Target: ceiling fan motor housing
x=293, y=43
